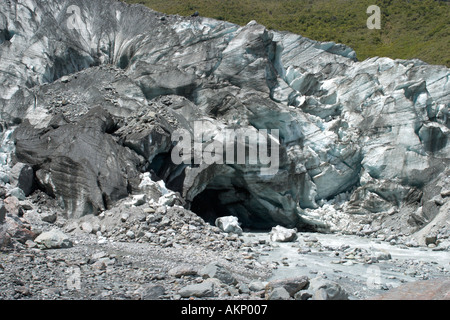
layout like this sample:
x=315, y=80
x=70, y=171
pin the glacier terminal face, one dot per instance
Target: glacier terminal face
x=95, y=90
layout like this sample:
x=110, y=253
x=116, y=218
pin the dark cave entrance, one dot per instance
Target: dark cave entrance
x=212, y=203
x=207, y=206
x=225, y=195
x=6, y=35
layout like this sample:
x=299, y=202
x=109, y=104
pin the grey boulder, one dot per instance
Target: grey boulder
x=22, y=176
x=279, y=293
x=291, y=285
x=229, y=224
x=79, y=162
x=13, y=231
x=53, y=239
x=182, y=270
x=215, y=270
x=324, y=289
x=200, y=290
x=151, y=291
x=282, y=234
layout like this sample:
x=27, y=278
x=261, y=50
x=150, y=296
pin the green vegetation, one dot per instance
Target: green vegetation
x=409, y=28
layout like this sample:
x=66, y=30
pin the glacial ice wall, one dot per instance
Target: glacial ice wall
x=361, y=137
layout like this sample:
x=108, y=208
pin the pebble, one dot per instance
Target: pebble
x=124, y=217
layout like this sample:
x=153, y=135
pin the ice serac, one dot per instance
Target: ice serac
x=95, y=90
x=79, y=163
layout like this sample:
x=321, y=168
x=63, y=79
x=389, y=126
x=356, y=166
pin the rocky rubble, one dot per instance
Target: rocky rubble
x=150, y=252
x=15, y=231
x=72, y=259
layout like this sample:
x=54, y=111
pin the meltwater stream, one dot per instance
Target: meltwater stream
x=364, y=267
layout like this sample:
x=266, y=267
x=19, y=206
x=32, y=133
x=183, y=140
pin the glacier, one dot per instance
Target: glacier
x=93, y=96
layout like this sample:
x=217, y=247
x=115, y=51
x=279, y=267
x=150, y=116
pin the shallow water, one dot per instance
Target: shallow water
x=360, y=279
